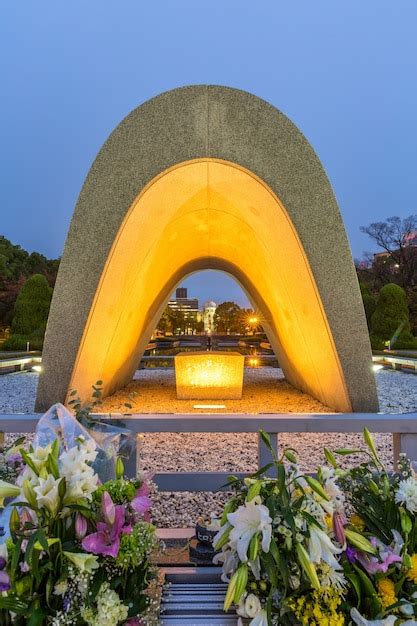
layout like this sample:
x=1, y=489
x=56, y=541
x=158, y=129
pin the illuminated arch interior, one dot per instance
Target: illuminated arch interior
x=198, y=215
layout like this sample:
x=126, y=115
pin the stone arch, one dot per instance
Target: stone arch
x=208, y=177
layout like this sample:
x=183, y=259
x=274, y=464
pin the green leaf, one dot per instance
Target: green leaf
x=36, y=618
x=346, y=451
x=270, y=568
x=29, y=462
x=16, y=557
x=267, y=441
x=13, y=604
x=262, y=470
x=53, y=466
x=354, y=580
x=311, y=520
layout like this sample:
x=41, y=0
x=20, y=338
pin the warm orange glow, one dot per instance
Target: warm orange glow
x=253, y=320
x=198, y=215
x=209, y=375
x=253, y=362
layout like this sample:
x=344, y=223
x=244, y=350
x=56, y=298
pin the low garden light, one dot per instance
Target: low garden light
x=253, y=362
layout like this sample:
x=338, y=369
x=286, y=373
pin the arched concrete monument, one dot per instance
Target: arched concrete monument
x=207, y=177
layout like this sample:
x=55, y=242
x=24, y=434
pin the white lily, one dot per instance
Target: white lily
x=47, y=493
x=321, y=548
x=390, y=620
x=28, y=474
x=40, y=455
x=83, y=561
x=261, y=619
x=229, y=562
x=81, y=486
x=248, y=520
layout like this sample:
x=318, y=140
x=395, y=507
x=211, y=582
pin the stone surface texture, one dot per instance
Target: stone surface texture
x=194, y=123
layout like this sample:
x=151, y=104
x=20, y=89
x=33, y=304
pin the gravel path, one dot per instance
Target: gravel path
x=265, y=390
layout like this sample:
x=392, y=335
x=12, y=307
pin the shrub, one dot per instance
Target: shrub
x=32, y=307
x=391, y=320
x=369, y=303
x=19, y=343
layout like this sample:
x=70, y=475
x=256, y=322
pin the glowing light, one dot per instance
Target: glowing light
x=209, y=375
x=376, y=367
x=209, y=406
x=253, y=320
x=253, y=362
x=36, y=368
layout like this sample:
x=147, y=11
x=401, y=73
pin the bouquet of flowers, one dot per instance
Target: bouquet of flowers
x=78, y=551
x=337, y=549
x=279, y=551
x=383, y=509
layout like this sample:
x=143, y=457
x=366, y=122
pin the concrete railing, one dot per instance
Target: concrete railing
x=17, y=364
x=402, y=426
x=396, y=362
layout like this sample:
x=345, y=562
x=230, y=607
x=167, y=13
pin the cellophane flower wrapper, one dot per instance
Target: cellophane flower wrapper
x=111, y=441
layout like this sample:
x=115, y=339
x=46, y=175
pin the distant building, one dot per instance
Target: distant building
x=183, y=303
x=208, y=316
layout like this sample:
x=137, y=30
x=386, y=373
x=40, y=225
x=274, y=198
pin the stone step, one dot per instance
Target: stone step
x=194, y=596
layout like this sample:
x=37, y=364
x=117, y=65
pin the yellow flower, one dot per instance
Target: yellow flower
x=386, y=592
x=329, y=521
x=320, y=608
x=357, y=521
x=412, y=572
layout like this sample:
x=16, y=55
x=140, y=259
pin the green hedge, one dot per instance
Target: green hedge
x=19, y=342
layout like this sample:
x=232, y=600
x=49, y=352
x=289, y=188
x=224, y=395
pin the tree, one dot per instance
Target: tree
x=391, y=321
x=16, y=264
x=369, y=303
x=32, y=307
x=227, y=317
x=397, y=238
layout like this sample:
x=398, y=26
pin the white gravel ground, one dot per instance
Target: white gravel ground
x=264, y=391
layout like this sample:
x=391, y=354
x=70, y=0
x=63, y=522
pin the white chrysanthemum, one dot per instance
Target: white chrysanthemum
x=329, y=577
x=407, y=494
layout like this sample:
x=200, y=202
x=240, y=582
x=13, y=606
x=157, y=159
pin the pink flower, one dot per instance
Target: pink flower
x=339, y=523
x=373, y=564
x=106, y=540
x=80, y=526
x=142, y=503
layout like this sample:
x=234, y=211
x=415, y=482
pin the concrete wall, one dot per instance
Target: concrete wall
x=211, y=125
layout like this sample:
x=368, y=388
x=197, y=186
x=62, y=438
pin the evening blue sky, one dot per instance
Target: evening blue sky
x=344, y=71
